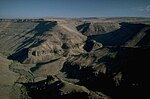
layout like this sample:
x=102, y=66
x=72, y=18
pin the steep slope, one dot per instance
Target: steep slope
x=114, y=34
x=48, y=68
x=47, y=40
x=95, y=28
x=8, y=89
x=13, y=34
x=135, y=41
x=56, y=88
x=115, y=71
x=62, y=41
x=89, y=58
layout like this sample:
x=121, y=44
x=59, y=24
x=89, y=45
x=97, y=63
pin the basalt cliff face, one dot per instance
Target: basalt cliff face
x=90, y=58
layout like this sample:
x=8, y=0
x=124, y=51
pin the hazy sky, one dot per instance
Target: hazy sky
x=74, y=8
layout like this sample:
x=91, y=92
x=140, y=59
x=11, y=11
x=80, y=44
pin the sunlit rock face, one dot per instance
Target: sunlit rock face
x=95, y=28
x=95, y=58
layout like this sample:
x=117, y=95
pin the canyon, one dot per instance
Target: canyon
x=61, y=58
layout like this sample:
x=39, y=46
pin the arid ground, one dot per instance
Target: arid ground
x=74, y=58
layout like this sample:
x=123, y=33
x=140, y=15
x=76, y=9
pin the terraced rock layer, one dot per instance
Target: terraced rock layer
x=98, y=58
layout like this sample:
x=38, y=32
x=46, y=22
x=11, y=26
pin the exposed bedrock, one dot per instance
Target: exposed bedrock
x=74, y=58
x=113, y=74
x=51, y=40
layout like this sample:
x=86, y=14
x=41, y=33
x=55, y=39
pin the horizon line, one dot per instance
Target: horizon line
x=76, y=17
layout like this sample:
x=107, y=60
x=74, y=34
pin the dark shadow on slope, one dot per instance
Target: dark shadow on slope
x=100, y=82
x=19, y=56
x=145, y=40
x=133, y=63
x=88, y=45
x=83, y=27
x=71, y=69
x=119, y=37
x=46, y=90
x=40, y=29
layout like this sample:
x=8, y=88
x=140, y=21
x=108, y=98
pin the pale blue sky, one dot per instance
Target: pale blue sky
x=74, y=8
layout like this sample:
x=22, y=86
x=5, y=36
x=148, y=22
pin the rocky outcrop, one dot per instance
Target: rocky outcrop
x=129, y=34
x=111, y=58
x=53, y=88
x=61, y=41
x=47, y=40
x=92, y=45
x=95, y=28
x=112, y=70
x=87, y=65
x=45, y=51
